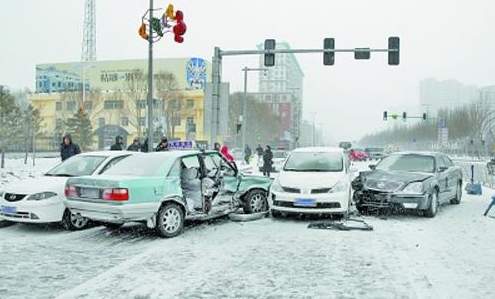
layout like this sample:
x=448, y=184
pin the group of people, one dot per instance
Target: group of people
x=68, y=148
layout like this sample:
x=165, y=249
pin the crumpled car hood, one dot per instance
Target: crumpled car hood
x=392, y=180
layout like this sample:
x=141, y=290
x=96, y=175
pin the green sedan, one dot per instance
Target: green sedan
x=163, y=189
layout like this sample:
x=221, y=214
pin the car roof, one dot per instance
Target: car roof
x=326, y=149
x=421, y=153
x=108, y=153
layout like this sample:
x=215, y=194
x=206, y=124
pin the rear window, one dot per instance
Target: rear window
x=142, y=165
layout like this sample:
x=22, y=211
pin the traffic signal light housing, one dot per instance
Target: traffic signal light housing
x=328, y=57
x=239, y=127
x=270, y=57
x=404, y=116
x=384, y=115
x=424, y=116
x=393, y=56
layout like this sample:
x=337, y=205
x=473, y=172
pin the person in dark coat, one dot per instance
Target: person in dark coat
x=217, y=146
x=163, y=146
x=135, y=146
x=68, y=148
x=144, y=146
x=118, y=145
x=247, y=154
x=267, y=161
x=259, y=152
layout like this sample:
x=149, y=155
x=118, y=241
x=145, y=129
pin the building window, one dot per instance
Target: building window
x=125, y=121
x=113, y=104
x=71, y=106
x=141, y=104
x=142, y=121
x=101, y=122
x=58, y=123
x=190, y=120
x=190, y=103
x=58, y=106
x=88, y=105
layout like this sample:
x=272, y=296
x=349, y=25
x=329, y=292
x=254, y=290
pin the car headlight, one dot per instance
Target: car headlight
x=341, y=186
x=41, y=195
x=413, y=188
x=276, y=187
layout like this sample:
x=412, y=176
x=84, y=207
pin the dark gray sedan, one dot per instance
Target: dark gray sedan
x=409, y=180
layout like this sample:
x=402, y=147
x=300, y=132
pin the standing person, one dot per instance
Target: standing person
x=144, y=147
x=163, y=146
x=135, y=146
x=118, y=145
x=247, y=154
x=68, y=148
x=217, y=146
x=225, y=153
x=259, y=152
x=267, y=161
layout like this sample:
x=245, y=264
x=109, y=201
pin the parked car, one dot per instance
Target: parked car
x=162, y=189
x=374, y=153
x=279, y=156
x=409, y=180
x=40, y=200
x=357, y=154
x=314, y=180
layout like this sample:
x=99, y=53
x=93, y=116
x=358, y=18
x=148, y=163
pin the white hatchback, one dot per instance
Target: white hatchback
x=40, y=200
x=314, y=180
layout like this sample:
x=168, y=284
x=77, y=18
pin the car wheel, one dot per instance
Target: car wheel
x=433, y=207
x=170, y=220
x=255, y=201
x=73, y=221
x=458, y=194
x=112, y=226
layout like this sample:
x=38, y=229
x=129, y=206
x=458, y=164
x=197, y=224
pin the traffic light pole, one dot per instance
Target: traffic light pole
x=150, y=82
x=216, y=73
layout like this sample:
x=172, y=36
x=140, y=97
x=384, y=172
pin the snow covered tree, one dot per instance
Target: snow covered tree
x=10, y=119
x=81, y=130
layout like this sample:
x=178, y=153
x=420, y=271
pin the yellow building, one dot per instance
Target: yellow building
x=115, y=98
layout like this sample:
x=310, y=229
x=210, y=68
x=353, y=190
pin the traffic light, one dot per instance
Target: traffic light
x=393, y=44
x=239, y=126
x=384, y=115
x=142, y=31
x=394, y=116
x=328, y=57
x=424, y=116
x=270, y=57
x=404, y=116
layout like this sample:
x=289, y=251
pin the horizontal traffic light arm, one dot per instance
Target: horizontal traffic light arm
x=275, y=51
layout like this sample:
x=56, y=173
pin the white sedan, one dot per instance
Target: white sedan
x=314, y=180
x=40, y=200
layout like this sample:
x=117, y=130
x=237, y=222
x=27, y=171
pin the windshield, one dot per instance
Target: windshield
x=77, y=166
x=142, y=165
x=409, y=163
x=314, y=161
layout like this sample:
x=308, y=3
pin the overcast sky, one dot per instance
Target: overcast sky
x=446, y=39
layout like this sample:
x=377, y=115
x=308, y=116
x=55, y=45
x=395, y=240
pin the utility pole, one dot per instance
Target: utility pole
x=244, y=103
x=150, y=81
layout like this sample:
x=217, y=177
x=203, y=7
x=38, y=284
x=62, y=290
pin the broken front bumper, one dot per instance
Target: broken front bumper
x=377, y=199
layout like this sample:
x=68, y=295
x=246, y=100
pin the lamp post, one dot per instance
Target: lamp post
x=244, y=103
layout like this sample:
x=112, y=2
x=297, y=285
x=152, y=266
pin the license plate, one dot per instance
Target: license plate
x=9, y=210
x=89, y=193
x=305, y=202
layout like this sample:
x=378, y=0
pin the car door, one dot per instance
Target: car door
x=453, y=176
x=443, y=179
x=224, y=174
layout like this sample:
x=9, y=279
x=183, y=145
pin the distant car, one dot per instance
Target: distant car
x=374, y=153
x=409, y=180
x=40, y=200
x=357, y=154
x=314, y=180
x=279, y=157
x=163, y=189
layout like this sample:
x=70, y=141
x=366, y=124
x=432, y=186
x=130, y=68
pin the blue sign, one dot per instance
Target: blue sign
x=181, y=145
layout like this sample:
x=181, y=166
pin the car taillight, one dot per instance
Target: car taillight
x=70, y=191
x=115, y=194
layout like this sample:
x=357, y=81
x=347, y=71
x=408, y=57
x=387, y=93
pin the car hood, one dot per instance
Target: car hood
x=309, y=180
x=36, y=185
x=392, y=180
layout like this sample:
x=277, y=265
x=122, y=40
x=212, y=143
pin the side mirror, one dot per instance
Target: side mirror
x=442, y=168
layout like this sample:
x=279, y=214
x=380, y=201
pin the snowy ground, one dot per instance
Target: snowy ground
x=405, y=256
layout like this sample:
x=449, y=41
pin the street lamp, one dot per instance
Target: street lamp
x=83, y=67
x=244, y=103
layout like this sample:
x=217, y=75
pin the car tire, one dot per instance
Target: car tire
x=433, y=205
x=170, y=220
x=255, y=201
x=112, y=226
x=72, y=221
x=458, y=194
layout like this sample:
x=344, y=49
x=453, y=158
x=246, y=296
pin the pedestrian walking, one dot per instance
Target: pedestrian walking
x=118, y=145
x=68, y=148
x=247, y=154
x=267, y=161
x=259, y=152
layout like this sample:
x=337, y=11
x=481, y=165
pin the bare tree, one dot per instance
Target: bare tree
x=135, y=88
x=170, y=103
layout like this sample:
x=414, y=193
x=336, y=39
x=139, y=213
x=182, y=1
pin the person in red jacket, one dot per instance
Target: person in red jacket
x=224, y=150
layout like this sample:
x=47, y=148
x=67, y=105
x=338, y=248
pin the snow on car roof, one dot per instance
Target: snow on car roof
x=422, y=153
x=319, y=149
x=107, y=153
